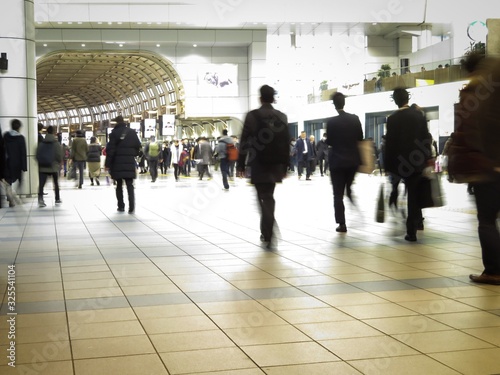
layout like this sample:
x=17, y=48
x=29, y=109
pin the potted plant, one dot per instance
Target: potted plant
x=384, y=71
x=323, y=85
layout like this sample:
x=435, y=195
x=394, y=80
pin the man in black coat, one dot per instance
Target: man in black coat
x=407, y=151
x=264, y=148
x=303, y=155
x=343, y=132
x=16, y=160
x=121, y=150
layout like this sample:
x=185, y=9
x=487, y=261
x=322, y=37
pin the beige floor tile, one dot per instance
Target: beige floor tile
x=248, y=319
x=241, y=276
x=206, y=360
x=177, y=324
x=463, y=292
x=408, y=295
x=80, y=331
x=327, y=314
x=82, y=275
x=145, y=280
x=337, y=330
x=310, y=280
x=201, y=286
x=367, y=347
x=361, y=277
x=443, y=341
x=93, y=293
x=141, y=290
x=408, y=365
x=49, y=333
x=440, y=306
x=212, y=308
x=127, y=365
x=377, y=310
x=259, y=284
x=489, y=334
x=484, y=303
x=56, y=295
x=88, y=284
x=352, y=299
x=100, y=316
x=292, y=303
x=184, y=341
x=111, y=347
x=37, y=320
x=407, y=324
x=167, y=311
x=41, y=352
x=43, y=368
x=265, y=335
x=39, y=287
x=84, y=269
x=340, y=368
x=405, y=275
x=472, y=362
x=289, y=354
x=474, y=319
x=253, y=371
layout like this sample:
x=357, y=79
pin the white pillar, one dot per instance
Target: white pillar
x=257, y=72
x=18, y=83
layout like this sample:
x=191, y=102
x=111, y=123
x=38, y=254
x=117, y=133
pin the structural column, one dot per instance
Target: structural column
x=18, y=82
x=493, y=39
x=257, y=74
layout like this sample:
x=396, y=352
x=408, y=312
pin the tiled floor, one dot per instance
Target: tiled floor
x=183, y=286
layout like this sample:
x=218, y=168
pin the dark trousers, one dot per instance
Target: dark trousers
x=488, y=206
x=224, y=168
x=176, y=171
x=232, y=164
x=80, y=165
x=414, y=211
x=265, y=197
x=42, y=179
x=323, y=165
x=130, y=191
x=153, y=169
x=342, y=179
x=304, y=163
x=203, y=169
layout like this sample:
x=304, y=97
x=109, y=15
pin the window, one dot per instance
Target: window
x=159, y=88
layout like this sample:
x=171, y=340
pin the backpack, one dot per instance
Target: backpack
x=232, y=152
x=273, y=138
x=154, y=150
x=46, y=154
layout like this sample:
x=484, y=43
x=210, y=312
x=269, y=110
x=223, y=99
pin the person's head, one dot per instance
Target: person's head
x=118, y=120
x=50, y=129
x=152, y=138
x=267, y=94
x=224, y=132
x=338, y=100
x=324, y=135
x=394, y=74
x=400, y=96
x=93, y=140
x=303, y=134
x=311, y=138
x=15, y=124
x=79, y=133
x=40, y=127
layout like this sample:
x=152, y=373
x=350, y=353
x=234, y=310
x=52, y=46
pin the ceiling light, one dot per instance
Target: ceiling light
x=157, y=45
x=70, y=23
x=99, y=23
x=195, y=45
x=139, y=23
x=39, y=22
x=121, y=45
x=110, y=23
x=83, y=44
x=45, y=44
x=59, y=23
x=158, y=23
x=119, y=23
x=79, y=22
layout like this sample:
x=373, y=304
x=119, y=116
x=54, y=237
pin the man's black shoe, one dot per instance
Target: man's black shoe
x=341, y=228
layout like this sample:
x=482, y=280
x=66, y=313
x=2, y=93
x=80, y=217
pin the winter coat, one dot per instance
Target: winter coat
x=121, y=150
x=16, y=156
x=56, y=165
x=94, y=153
x=79, y=149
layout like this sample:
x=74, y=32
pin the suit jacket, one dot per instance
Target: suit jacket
x=407, y=143
x=343, y=132
x=300, y=147
x=251, y=146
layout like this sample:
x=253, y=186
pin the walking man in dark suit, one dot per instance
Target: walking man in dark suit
x=303, y=153
x=343, y=132
x=264, y=148
x=407, y=151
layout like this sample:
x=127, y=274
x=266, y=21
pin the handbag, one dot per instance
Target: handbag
x=380, y=212
x=71, y=172
x=366, y=149
x=430, y=193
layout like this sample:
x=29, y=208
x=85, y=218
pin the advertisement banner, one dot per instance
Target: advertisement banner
x=168, y=125
x=65, y=138
x=149, y=127
x=88, y=135
x=218, y=80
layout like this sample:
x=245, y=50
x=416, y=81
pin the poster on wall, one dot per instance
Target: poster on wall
x=218, y=80
x=168, y=125
x=88, y=134
x=65, y=138
x=149, y=127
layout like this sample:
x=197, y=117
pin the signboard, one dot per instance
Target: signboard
x=149, y=127
x=88, y=135
x=218, y=80
x=65, y=138
x=168, y=125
